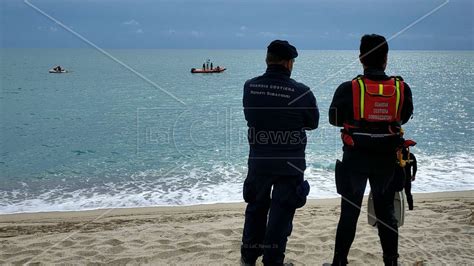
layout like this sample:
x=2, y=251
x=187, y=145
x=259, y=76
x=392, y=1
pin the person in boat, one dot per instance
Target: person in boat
x=204, y=66
x=371, y=109
x=58, y=69
x=211, y=66
x=277, y=164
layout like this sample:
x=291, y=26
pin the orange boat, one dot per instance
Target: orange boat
x=214, y=70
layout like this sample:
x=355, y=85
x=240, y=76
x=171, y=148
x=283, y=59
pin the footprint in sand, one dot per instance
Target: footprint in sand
x=454, y=230
x=325, y=239
x=39, y=244
x=123, y=261
x=304, y=223
x=202, y=234
x=215, y=256
x=359, y=253
x=160, y=247
x=185, y=243
x=168, y=254
x=225, y=232
x=87, y=253
x=298, y=247
x=164, y=241
x=24, y=261
x=70, y=260
x=138, y=241
x=87, y=242
x=68, y=243
x=116, y=250
x=461, y=213
x=112, y=242
x=10, y=250
x=82, y=238
x=206, y=243
x=33, y=252
x=59, y=254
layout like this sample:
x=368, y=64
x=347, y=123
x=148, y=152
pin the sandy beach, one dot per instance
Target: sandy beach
x=439, y=231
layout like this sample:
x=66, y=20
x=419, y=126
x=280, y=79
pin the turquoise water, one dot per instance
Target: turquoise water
x=101, y=136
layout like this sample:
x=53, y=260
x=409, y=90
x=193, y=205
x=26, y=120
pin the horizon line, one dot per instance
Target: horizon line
x=256, y=49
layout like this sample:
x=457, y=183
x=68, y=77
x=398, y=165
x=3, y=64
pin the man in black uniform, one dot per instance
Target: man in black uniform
x=409, y=176
x=277, y=139
x=371, y=109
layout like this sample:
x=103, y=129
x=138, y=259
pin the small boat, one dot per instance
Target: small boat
x=58, y=72
x=52, y=70
x=214, y=70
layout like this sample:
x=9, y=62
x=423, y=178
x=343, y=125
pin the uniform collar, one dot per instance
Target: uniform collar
x=278, y=69
x=374, y=72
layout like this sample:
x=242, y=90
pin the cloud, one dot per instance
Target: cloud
x=268, y=34
x=131, y=22
x=353, y=35
x=139, y=31
x=45, y=28
x=241, y=32
x=171, y=31
x=196, y=33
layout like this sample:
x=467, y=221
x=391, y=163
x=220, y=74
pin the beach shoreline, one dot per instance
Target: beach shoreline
x=136, y=209
x=439, y=230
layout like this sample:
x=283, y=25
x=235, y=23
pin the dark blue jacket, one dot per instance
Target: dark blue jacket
x=278, y=111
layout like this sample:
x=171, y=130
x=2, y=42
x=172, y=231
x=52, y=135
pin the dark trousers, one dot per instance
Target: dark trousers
x=268, y=222
x=408, y=192
x=384, y=210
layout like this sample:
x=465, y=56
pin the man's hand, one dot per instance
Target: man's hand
x=412, y=178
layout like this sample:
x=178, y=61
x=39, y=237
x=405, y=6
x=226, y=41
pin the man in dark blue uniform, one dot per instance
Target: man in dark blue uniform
x=371, y=115
x=277, y=139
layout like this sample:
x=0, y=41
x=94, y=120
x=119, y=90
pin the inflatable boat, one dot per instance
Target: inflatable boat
x=58, y=72
x=214, y=70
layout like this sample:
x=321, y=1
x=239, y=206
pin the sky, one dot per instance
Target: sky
x=237, y=24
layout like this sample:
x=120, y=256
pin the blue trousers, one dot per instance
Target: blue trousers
x=268, y=221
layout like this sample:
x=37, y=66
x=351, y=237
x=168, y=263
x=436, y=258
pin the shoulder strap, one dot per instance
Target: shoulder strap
x=397, y=77
x=358, y=76
x=400, y=94
x=358, y=93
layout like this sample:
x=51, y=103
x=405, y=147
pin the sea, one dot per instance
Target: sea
x=134, y=128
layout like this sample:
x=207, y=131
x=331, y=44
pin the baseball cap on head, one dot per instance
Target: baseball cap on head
x=282, y=49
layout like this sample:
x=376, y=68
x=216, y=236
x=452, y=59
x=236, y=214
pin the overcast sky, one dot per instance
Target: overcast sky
x=237, y=24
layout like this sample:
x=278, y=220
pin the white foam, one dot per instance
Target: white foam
x=192, y=185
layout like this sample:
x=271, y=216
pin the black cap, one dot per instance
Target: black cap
x=282, y=49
